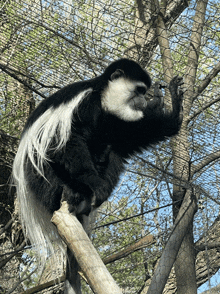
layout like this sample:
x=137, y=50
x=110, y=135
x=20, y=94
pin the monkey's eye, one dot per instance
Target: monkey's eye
x=117, y=74
x=141, y=90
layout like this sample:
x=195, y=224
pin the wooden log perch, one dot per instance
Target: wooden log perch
x=73, y=234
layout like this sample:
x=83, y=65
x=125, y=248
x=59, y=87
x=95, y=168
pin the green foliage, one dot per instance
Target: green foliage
x=128, y=272
x=42, y=47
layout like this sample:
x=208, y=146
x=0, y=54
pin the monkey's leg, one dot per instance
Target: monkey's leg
x=72, y=283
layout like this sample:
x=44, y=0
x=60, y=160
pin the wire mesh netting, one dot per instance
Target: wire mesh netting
x=46, y=45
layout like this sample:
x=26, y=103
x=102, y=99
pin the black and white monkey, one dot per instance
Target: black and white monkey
x=76, y=142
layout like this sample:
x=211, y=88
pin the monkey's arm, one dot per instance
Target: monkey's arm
x=165, y=123
x=111, y=174
x=173, y=119
x=176, y=91
x=82, y=181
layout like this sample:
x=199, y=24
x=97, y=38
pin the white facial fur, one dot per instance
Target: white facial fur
x=116, y=96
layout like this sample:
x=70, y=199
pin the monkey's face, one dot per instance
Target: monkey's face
x=138, y=101
x=125, y=98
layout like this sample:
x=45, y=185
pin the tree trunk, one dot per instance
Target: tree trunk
x=185, y=265
x=185, y=262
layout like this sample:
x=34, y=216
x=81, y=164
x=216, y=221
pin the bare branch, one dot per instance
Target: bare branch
x=9, y=223
x=149, y=39
x=207, y=246
x=7, y=259
x=141, y=10
x=23, y=278
x=212, y=74
x=204, y=249
x=77, y=240
x=194, y=51
x=204, y=107
x=17, y=72
x=163, y=41
x=170, y=252
x=62, y=36
x=207, y=160
x=144, y=242
x=44, y=286
x=204, y=84
x=174, y=9
x=4, y=69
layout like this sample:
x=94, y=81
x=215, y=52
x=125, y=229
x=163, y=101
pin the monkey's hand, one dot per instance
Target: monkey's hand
x=155, y=96
x=176, y=91
x=155, y=101
x=170, y=120
x=101, y=194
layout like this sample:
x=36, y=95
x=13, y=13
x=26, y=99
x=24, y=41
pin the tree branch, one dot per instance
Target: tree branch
x=207, y=160
x=72, y=232
x=174, y=9
x=204, y=270
x=164, y=45
x=174, y=242
x=44, y=286
x=133, y=216
x=149, y=39
x=204, y=107
x=62, y=36
x=206, y=81
x=4, y=69
x=17, y=72
x=207, y=246
x=204, y=84
x=144, y=242
x=141, y=10
x=7, y=259
x=193, y=56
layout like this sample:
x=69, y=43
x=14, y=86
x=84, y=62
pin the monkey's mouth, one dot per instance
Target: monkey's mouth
x=138, y=102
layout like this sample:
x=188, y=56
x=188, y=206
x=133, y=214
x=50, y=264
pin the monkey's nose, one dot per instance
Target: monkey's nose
x=141, y=90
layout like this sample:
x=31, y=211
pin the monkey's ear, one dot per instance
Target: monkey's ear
x=117, y=74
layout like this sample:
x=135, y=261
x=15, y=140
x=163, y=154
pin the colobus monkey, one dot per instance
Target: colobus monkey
x=76, y=142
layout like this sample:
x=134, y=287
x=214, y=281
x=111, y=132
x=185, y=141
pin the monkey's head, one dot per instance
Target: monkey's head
x=125, y=94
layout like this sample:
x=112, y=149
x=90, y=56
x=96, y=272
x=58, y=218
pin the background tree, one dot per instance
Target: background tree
x=48, y=44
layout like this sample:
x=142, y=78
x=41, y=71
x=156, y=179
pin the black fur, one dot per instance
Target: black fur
x=76, y=143
x=94, y=156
